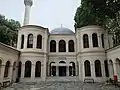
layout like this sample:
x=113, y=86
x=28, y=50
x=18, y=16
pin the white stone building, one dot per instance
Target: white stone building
x=59, y=55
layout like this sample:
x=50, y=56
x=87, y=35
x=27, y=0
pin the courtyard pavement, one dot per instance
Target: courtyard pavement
x=61, y=86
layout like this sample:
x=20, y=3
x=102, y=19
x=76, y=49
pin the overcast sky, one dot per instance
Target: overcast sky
x=47, y=13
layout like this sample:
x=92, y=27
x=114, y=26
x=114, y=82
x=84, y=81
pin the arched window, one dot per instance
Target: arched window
x=87, y=68
x=22, y=41
x=85, y=41
x=52, y=69
x=38, y=69
x=102, y=38
x=30, y=41
x=62, y=46
x=39, y=41
x=95, y=40
x=71, y=46
x=7, y=66
x=28, y=69
x=19, y=69
x=72, y=69
x=106, y=68
x=52, y=46
x=14, y=72
x=98, y=68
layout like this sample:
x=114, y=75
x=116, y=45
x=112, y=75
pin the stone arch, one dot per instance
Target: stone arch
x=52, y=69
x=71, y=47
x=52, y=46
x=106, y=68
x=28, y=65
x=38, y=69
x=85, y=41
x=95, y=40
x=30, y=41
x=39, y=41
x=102, y=39
x=22, y=41
x=7, y=67
x=62, y=46
x=87, y=68
x=98, y=72
x=72, y=69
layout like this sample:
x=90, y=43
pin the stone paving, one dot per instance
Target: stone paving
x=61, y=86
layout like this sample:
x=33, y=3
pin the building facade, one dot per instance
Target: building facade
x=60, y=54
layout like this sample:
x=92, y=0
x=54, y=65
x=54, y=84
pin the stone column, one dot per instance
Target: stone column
x=57, y=47
x=103, y=69
x=93, y=70
x=35, y=42
x=67, y=47
x=115, y=69
x=33, y=72
x=99, y=40
x=57, y=70
x=2, y=70
x=19, y=42
x=90, y=41
x=10, y=72
x=23, y=71
x=25, y=41
x=67, y=67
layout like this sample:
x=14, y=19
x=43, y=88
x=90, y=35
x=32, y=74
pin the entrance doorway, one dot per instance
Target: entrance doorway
x=62, y=70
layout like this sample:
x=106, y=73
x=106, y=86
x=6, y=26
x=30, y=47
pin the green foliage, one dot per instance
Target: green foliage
x=105, y=13
x=8, y=30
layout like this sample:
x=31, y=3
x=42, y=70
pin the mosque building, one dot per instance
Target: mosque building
x=60, y=54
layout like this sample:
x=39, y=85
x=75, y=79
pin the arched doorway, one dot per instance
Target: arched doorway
x=106, y=68
x=98, y=68
x=87, y=68
x=52, y=69
x=28, y=69
x=72, y=69
x=62, y=68
x=7, y=67
x=38, y=69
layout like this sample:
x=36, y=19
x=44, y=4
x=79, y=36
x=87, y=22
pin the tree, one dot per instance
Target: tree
x=105, y=13
x=8, y=30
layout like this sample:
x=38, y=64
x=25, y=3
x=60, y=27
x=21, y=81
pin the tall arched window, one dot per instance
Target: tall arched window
x=71, y=46
x=30, y=41
x=106, y=68
x=85, y=41
x=19, y=69
x=22, y=41
x=52, y=46
x=62, y=46
x=102, y=38
x=98, y=68
x=28, y=69
x=7, y=66
x=72, y=69
x=38, y=69
x=87, y=68
x=39, y=41
x=95, y=40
